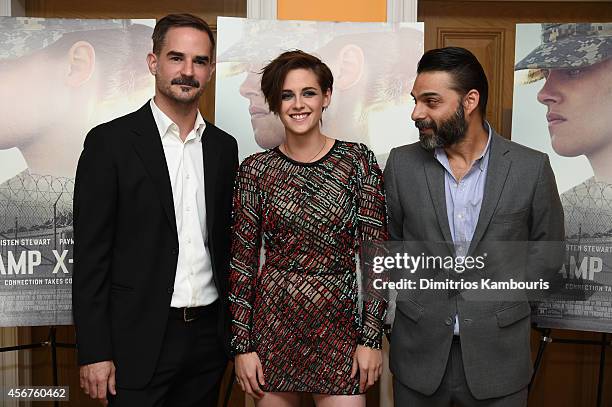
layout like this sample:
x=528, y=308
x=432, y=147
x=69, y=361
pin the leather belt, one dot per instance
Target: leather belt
x=190, y=314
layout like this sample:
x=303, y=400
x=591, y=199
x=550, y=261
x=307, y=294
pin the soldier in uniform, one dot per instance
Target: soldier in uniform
x=82, y=72
x=58, y=79
x=575, y=62
x=368, y=78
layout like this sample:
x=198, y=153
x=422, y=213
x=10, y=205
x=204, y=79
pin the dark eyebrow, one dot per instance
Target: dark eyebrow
x=427, y=94
x=308, y=88
x=175, y=54
x=199, y=58
x=202, y=58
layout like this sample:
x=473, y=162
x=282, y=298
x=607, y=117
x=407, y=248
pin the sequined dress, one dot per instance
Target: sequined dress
x=299, y=311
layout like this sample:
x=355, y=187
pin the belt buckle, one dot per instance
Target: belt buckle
x=185, y=316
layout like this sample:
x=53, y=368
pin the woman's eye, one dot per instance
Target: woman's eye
x=286, y=96
x=310, y=93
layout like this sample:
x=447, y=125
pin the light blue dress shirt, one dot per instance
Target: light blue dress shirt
x=463, y=200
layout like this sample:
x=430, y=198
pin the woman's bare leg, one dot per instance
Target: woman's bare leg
x=280, y=399
x=326, y=400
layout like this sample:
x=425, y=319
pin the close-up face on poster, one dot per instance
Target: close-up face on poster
x=58, y=79
x=562, y=105
x=370, y=101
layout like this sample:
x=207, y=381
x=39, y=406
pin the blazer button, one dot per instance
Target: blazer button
x=449, y=321
x=175, y=251
x=170, y=290
x=468, y=321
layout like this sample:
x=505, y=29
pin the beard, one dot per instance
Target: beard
x=449, y=132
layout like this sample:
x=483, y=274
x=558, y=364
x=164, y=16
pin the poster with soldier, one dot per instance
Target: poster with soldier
x=370, y=102
x=58, y=79
x=562, y=106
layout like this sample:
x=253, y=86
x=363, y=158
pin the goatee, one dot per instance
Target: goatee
x=450, y=131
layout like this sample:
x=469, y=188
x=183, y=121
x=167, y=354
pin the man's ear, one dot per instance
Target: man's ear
x=152, y=63
x=470, y=101
x=350, y=67
x=82, y=63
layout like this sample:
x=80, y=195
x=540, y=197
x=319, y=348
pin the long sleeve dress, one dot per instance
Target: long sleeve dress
x=299, y=310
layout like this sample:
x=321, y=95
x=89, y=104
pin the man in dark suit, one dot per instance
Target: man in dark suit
x=152, y=212
x=459, y=191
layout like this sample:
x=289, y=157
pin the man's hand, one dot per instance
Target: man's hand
x=96, y=378
x=368, y=362
x=249, y=374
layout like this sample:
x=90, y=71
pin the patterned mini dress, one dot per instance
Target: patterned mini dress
x=295, y=302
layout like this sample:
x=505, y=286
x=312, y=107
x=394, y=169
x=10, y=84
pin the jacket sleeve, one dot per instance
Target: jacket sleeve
x=95, y=196
x=546, y=231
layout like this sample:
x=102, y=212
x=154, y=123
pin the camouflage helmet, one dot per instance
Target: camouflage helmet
x=569, y=46
x=21, y=36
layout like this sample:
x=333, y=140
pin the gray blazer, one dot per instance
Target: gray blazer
x=520, y=203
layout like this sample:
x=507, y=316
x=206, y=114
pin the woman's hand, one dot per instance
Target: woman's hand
x=368, y=362
x=249, y=374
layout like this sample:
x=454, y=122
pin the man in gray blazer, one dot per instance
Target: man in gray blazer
x=465, y=186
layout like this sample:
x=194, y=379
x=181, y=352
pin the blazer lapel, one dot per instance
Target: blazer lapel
x=148, y=145
x=497, y=173
x=211, y=165
x=434, y=172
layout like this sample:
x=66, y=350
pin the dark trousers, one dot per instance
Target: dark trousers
x=190, y=366
x=453, y=390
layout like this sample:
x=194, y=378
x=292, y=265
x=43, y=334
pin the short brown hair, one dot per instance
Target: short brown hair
x=274, y=74
x=178, y=20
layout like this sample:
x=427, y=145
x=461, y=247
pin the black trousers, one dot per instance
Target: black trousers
x=190, y=366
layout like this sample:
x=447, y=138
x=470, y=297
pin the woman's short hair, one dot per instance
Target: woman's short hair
x=274, y=74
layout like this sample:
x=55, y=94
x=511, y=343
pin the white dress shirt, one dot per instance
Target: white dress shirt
x=193, y=284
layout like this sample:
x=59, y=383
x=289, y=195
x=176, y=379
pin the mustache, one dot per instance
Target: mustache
x=187, y=81
x=425, y=124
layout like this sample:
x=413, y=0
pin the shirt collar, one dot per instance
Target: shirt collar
x=482, y=160
x=164, y=123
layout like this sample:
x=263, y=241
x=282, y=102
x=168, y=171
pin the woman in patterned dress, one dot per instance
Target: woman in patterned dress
x=311, y=202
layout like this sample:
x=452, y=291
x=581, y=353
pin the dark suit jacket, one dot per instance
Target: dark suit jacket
x=126, y=244
x=520, y=204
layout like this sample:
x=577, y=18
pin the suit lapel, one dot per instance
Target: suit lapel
x=434, y=172
x=497, y=173
x=211, y=165
x=147, y=143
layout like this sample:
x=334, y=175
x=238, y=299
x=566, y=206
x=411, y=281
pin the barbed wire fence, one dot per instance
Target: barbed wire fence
x=34, y=208
x=588, y=222
x=588, y=219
